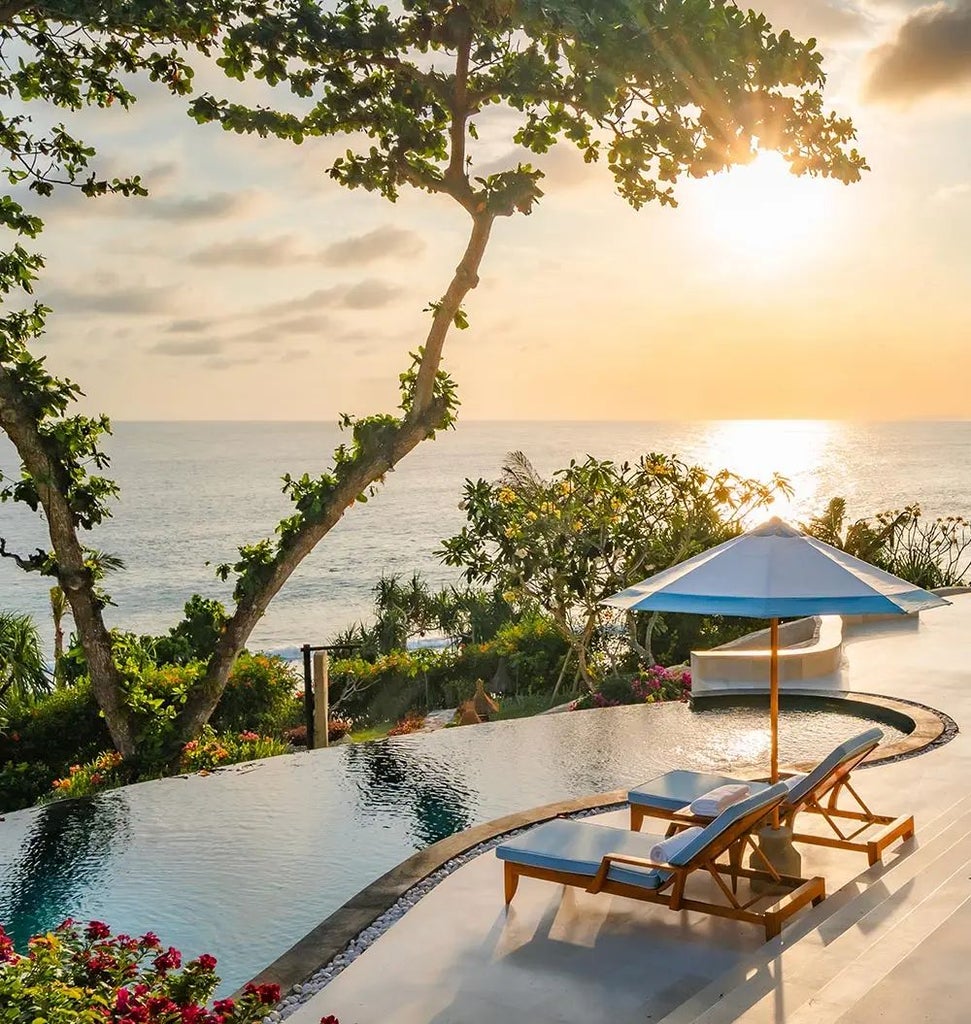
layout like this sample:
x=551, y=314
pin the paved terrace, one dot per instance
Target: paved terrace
x=890, y=943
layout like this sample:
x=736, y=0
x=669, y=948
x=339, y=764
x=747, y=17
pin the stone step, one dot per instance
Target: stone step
x=856, y=979
x=819, y=943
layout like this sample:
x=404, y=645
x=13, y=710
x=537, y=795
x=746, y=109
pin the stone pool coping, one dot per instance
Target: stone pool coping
x=332, y=937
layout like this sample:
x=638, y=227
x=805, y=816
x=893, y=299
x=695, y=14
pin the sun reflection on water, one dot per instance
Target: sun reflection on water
x=796, y=449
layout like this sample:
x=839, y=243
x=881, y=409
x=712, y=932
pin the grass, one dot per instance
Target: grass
x=526, y=705
x=375, y=731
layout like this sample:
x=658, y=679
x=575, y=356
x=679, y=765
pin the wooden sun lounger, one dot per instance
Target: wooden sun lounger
x=818, y=793
x=598, y=858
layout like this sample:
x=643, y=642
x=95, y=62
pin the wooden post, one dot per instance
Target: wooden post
x=774, y=708
x=308, y=696
x=322, y=697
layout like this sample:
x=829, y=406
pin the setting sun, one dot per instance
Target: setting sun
x=761, y=213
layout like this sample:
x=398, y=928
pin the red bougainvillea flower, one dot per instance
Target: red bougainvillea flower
x=150, y=941
x=267, y=994
x=206, y=962
x=7, y=954
x=329, y=1019
x=170, y=960
x=96, y=930
x=224, y=1005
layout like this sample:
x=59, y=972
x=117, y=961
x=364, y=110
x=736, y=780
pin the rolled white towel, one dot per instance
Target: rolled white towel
x=793, y=780
x=712, y=803
x=662, y=852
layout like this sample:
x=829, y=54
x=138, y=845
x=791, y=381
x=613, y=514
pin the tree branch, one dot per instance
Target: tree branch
x=31, y=564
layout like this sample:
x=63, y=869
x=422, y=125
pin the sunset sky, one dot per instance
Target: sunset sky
x=249, y=286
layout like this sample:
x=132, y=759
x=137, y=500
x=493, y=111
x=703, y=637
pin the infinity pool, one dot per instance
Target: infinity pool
x=244, y=862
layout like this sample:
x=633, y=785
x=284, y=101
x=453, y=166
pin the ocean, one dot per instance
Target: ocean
x=191, y=492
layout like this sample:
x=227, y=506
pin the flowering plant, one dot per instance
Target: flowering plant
x=649, y=686
x=104, y=772
x=76, y=975
x=213, y=749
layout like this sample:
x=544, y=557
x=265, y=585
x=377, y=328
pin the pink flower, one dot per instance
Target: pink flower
x=150, y=941
x=97, y=930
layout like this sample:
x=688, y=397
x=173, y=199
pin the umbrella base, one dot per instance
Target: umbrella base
x=776, y=846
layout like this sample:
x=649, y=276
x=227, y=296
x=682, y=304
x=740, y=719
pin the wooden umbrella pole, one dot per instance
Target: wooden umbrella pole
x=774, y=707
x=774, y=697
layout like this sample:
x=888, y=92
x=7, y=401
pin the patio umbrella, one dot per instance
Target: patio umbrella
x=775, y=571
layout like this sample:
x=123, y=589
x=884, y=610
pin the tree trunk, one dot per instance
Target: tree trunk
x=73, y=576
x=423, y=419
x=57, y=614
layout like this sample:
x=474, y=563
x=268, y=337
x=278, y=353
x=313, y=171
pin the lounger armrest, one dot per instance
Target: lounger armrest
x=610, y=859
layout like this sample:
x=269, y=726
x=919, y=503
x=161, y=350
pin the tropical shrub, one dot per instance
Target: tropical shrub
x=60, y=729
x=214, y=750
x=23, y=783
x=261, y=695
x=196, y=636
x=77, y=976
x=929, y=553
x=104, y=772
x=22, y=671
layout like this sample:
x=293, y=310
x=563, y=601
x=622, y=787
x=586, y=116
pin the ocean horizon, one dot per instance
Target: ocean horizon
x=192, y=490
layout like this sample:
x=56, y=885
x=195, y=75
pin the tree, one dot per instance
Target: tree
x=22, y=671
x=593, y=529
x=67, y=55
x=660, y=88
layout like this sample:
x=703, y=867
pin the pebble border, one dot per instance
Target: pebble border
x=318, y=981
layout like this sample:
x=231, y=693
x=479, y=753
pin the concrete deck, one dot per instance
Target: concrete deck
x=887, y=945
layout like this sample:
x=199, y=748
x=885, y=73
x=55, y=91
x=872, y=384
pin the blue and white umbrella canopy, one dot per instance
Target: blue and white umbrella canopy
x=775, y=571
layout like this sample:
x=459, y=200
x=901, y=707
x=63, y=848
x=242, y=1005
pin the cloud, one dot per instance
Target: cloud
x=374, y=245
x=285, y=328
x=948, y=193
x=249, y=252
x=111, y=299
x=931, y=54
x=294, y=355
x=215, y=206
x=199, y=347
x=371, y=293
x=382, y=243
x=188, y=326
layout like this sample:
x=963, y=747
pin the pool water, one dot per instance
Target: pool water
x=243, y=862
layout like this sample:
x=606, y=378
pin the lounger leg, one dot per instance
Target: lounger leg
x=636, y=817
x=511, y=877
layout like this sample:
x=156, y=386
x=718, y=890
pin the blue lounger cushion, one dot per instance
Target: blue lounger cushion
x=846, y=751
x=578, y=847
x=677, y=789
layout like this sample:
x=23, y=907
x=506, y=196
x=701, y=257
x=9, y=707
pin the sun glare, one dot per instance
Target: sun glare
x=761, y=214
x=759, y=448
